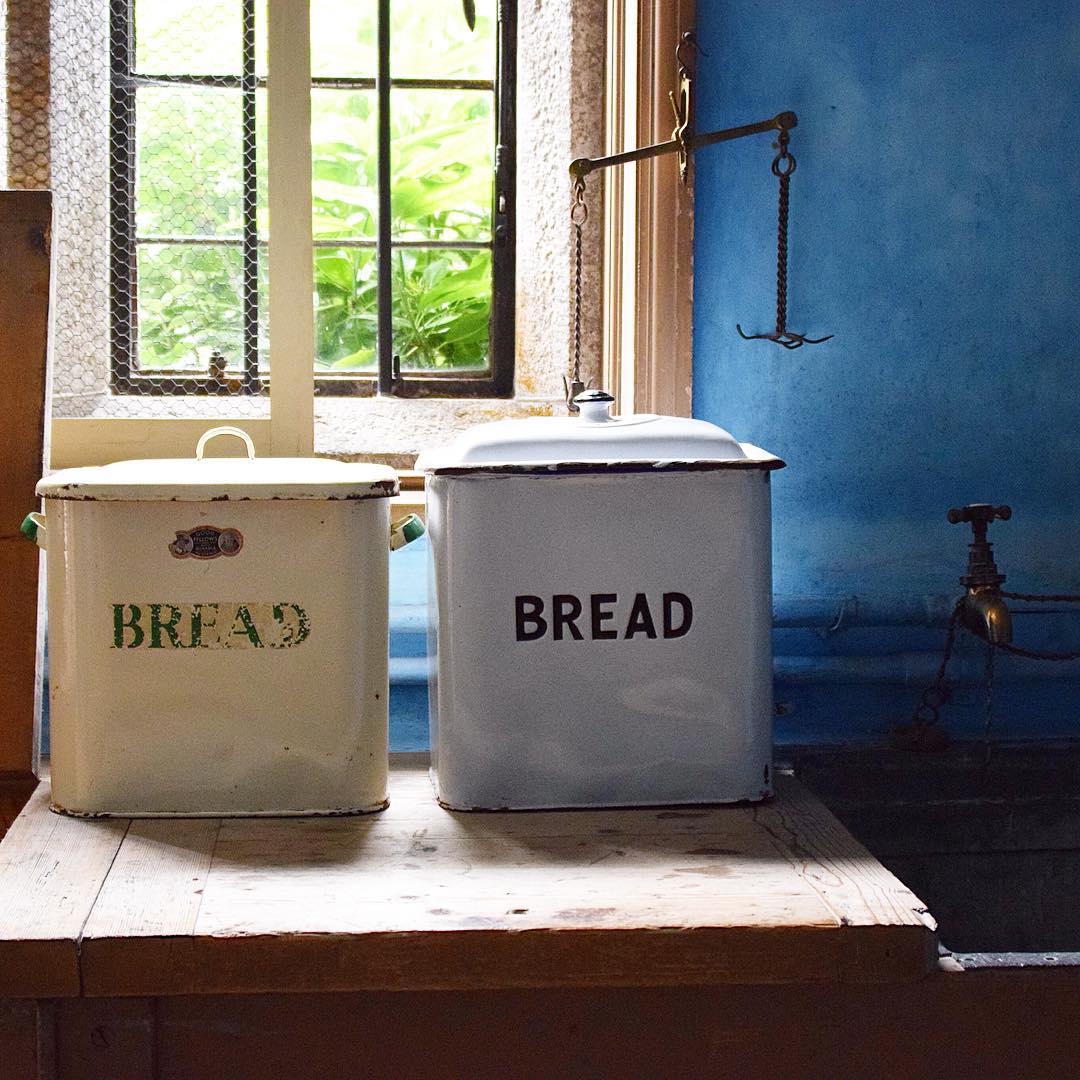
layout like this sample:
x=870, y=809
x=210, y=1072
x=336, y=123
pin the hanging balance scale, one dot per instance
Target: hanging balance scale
x=683, y=142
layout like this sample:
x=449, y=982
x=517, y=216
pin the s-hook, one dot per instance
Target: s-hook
x=682, y=102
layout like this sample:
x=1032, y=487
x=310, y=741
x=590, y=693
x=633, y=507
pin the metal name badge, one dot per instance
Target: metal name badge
x=206, y=542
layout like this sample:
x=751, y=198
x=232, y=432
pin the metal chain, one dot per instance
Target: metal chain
x=1056, y=598
x=1015, y=650
x=927, y=713
x=988, y=714
x=938, y=692
x=1035, y=654
x=579, y=214
x=1047, y=598
x=782, y=167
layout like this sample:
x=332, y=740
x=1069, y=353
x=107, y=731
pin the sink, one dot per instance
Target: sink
x=991, y=843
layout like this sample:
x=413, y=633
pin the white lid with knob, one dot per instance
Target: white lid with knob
x=594, y=439
x=201, y=479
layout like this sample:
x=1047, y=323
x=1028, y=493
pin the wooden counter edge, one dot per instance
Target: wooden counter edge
x=40, y=968
x=501, y=959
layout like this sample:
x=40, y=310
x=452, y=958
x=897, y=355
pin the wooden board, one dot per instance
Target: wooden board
x=19, y=1053
x=51, y=869
x=1012, y=1025
x=419, y=898
x=25, y=224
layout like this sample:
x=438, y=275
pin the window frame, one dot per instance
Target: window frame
x=648, y=261
x=497, y=381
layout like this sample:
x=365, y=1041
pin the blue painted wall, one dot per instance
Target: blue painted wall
x=936, y=232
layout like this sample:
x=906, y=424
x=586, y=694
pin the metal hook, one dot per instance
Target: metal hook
x=681, y=135
x=783, y=166
x=689, y=42
x=682, y=103
x=789, y=339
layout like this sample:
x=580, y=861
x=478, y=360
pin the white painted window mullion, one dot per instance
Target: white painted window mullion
x=291, y=309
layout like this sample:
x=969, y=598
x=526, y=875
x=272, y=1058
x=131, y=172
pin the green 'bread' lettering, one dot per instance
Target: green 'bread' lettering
x=291, y=634
x=168, y=627
x=255, y=625
x=132, y=624
x=201, y=625
x=243, y=626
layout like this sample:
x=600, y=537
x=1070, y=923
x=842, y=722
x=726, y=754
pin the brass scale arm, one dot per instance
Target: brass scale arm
x=682, y=144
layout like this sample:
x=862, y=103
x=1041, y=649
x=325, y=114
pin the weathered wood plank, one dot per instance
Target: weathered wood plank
x=25, y=223
x=1018, y=1023
x=153, y=891
x=846, y=876
x=466, y=960
x=421, y=898
x=51, y=868
x=107, y=1040
x=155, y=884
x=18, y=1040
x=883, y=924
x=965, y=1027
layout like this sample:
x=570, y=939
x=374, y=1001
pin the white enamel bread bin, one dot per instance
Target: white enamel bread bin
x=218, y=635
x=602, y=613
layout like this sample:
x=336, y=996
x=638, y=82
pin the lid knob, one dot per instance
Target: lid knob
x=595, y=406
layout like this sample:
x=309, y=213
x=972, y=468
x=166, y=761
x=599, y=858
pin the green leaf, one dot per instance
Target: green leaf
x=360, y=358
x=335, y=270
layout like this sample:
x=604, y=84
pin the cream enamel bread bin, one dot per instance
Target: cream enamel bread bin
x=218, y=635
x=602, y=613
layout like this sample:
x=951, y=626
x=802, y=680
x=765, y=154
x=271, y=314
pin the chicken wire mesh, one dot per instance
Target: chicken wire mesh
x=78, y=146
x=4, y=113
x=98, y=327
x=184, y=197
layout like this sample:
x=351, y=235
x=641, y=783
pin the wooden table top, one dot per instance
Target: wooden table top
x=418, y=897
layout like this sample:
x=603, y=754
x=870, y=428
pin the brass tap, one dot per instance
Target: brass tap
x=982, y=608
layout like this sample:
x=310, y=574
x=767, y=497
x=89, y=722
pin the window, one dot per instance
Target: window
x=413, y=197
x=559, y=84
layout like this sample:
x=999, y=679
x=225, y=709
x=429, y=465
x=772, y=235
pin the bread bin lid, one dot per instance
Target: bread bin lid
x=594, y=440
x=200, y=479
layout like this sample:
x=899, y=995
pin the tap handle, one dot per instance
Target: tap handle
x=979, y=513
x=982, y=572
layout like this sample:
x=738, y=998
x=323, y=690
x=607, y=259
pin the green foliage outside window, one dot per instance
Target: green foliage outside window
x=189, y=185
